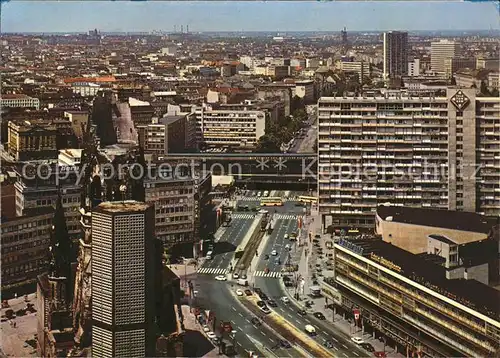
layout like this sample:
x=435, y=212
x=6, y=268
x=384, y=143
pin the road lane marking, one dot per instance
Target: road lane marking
x=262, y=333
x=239, y=313
x=356, y=354
x=345, y=346
x=345, y=355
x=335, y=348
x=233, y=322
x=289, y=315
x=246, y=319
x=234, y=309
x=335, y=339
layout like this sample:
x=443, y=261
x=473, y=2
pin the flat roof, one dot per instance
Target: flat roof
x=169, y=119
x=470, y=293
x=123, y=206
x=455, y=220
x=443, y=239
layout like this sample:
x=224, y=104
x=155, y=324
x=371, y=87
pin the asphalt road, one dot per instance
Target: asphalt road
x=217, y=296
x=284, y=224
x=227, y=244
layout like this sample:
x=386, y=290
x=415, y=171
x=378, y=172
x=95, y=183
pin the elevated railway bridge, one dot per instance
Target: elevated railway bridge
x=291, y=171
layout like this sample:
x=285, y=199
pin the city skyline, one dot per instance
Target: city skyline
x=247, y=16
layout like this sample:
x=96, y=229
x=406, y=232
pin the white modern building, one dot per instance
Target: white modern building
x=122, y=284
x=440, y=51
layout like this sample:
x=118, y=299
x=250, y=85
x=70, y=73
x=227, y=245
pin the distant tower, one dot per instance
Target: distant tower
x=187, y=29
x=182, y=29
x=345, y=44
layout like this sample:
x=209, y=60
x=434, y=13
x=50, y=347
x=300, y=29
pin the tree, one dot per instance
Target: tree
x=268, y=143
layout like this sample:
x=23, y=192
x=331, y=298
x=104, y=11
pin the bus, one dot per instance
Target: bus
x=271, y=201
x=308, y=199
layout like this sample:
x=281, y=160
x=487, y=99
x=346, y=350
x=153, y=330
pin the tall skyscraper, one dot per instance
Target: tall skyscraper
x=395, y=54
x=123, y=274
x=440, y=51
x=435, y=152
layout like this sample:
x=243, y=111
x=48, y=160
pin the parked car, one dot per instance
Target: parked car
x=285, y=344
x=248, y=292
x=211, y=335
x=255, y=321
x=239, y=292
x=221, y=278
x=285, y=299
x=380, y=354
x=261, y=304
x=302, y=312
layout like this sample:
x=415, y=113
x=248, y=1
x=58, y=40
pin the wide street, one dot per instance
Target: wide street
x=220, y=297
x=227, y=244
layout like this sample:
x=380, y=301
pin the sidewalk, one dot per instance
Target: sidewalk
x=307, y=264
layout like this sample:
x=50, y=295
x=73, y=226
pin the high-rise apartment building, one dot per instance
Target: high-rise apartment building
x=440, y=51
x=439, y=152
x=395, y=54
x=123, y=305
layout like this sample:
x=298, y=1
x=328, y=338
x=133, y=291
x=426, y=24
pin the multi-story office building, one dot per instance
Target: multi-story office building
x=414, y=68
x=439, y=152
x=411, y=302
x=19, y=100
x=32, y=140
x=36, y=187
x=454, y=64
x=362, y=69
x=305, y=90
x=123, y=306
x=440, y=51
x=167, y=135
x=395, y=54
x=240, y=129
x=25, y=243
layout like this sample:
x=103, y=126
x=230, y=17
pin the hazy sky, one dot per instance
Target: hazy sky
x=80, y=16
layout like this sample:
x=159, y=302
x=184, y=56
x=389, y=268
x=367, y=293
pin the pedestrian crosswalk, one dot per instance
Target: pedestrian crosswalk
x=286, y=216
x=243, y=216
x=257, y=200
x=213, y=271
x=269, y=274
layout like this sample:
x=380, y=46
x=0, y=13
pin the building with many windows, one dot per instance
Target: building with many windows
x=123, y=303
x=395, y=54
x=32, y=140
x=440, y=51
x=19, y=100
x=434, y=152
x=411, y=302
x=236, y=128
x=25, y=243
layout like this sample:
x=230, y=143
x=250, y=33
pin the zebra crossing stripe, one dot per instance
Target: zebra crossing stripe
x=212, y=271
x=269, y=274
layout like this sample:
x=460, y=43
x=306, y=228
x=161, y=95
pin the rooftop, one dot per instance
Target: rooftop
x=123, y=206
x=455, y=220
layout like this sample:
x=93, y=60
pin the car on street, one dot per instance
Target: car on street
x=261, y=304
x=285, y=299
x=319, y=316
x=257, y=290
x=259, y=194
x=248, y=292
x=272, y=303
x=265, y=309
x=357, y=340
x=286, y=237
x=239, y=292
x=266, y=257
x=380, y=354
x=288, y=247
x=285, y=344
x=274, y=253
x=263, y=296
x=211, y=335
x=221, y=278
x=302, y=312
x=368, y=347
x=328, y=344
x=256, y=322
x=235, y=275
x=206, y=328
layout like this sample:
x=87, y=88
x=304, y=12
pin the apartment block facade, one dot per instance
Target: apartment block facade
x=395, y=54
x=439, y=152
x=440, y=51
x=408, y=300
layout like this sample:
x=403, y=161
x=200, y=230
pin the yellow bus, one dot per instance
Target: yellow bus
x=271, y=201
x=308, y=199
